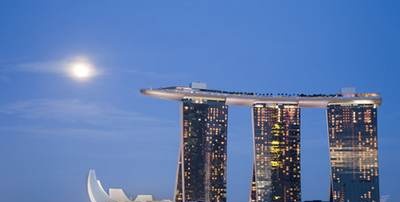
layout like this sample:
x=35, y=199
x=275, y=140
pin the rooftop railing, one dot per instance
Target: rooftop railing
x=241, y=93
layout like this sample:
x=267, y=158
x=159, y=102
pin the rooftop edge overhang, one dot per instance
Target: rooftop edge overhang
x=249, y=100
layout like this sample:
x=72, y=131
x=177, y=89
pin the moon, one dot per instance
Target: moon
x=81, y=70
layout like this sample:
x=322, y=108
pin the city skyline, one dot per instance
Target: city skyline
x=352, y=135
x=70, y=73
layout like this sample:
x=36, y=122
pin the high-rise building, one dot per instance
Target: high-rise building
x=353, y=152
x=201, y=169
x=276, y=168
x=201, y=173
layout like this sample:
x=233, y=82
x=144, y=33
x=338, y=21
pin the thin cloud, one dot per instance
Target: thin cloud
x=69, y=109
x=42, y=131
x=43, y=67
x=61, y=67
x=37, y=67
x=75, y=117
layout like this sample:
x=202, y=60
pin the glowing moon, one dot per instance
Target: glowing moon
x=82, y=70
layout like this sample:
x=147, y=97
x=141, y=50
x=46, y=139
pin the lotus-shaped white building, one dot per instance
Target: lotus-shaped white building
x=97, y=194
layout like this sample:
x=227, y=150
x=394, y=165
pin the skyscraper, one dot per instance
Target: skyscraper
x=201, y=172
x=276, y=168
x=353, y=152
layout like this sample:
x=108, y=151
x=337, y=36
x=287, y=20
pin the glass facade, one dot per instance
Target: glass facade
x=276, y=168
x=178, y=191
x=202, y=164
x=201, y=172
x=353, y=153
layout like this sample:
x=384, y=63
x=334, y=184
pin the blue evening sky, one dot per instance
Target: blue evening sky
x=53, y=129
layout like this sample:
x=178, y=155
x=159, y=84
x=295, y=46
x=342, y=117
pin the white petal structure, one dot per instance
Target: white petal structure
x=98, y=194
x=95, y=190
x=118, y=195
x=143, y=198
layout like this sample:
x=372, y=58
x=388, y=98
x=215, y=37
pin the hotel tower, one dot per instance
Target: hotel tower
x=353, y=152
x=276, y=168
x=201, y=172
x=202, y=163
